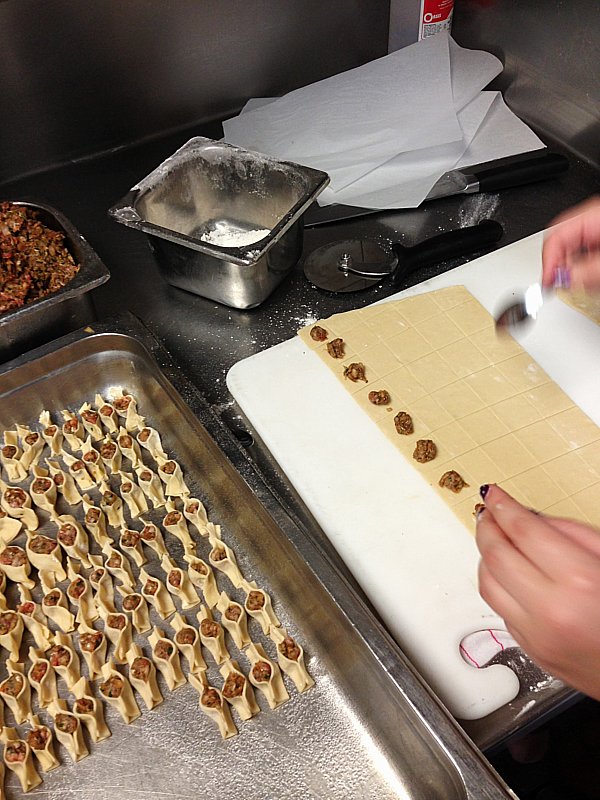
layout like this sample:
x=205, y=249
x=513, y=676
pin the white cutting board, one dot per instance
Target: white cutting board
x=414, y=560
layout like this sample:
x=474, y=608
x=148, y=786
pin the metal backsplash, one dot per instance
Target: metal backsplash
x=551, y=52
x=78, y=77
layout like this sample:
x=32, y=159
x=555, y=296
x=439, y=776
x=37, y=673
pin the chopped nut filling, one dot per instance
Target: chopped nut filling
x=15, y=752
x=76, y=588
x=404, y=424
x=164, y=649
x=42, y=545
x=210, y=628
x=71, y=426
x=131, y=602
x=92, y=515
x=261, y=671
x=140, y=668
x=16, y=498
x=59, y=656
x=39, y=669
x=38, y=738
x=122, y=403
x=116, y=621
x=425, y=450
x=84, y=705
x=113, y=687
x=453, y=481
x=96, y=575
x=318, y=334
x=8, y=621
x=233, y=612
x=91, y=641
x=52, y=598
x=255, y=600
x=289, y=649
x=355, y=372
x=218, y=553
x=13, y=557
x=13, y=685
x=41, y=485
x=186, y=636
x=175, y=578
x=336, y=348
x=148, y=533
x=234, y=685
x=66, y=723
x=380, y=397
x=107, y=450
x=130, y=538
x=210, y=698
x=67, y=534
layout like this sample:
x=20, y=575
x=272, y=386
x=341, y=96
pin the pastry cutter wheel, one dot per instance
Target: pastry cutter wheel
x=350, y=265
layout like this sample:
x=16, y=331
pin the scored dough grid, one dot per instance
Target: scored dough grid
x=494, y=414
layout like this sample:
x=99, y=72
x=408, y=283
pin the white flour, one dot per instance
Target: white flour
x=226, y=236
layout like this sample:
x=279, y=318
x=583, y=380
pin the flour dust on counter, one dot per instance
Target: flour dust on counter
x=464, y=406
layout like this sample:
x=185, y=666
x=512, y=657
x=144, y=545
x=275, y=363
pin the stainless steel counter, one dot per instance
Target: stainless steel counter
x=205, y=339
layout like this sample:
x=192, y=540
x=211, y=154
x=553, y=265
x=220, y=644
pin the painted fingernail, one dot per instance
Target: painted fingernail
x=483, y=490
x=479, y=509
x=562, y=278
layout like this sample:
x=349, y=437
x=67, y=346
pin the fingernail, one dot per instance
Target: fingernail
x=479, y=509
x=483, y=490
x=562, y=278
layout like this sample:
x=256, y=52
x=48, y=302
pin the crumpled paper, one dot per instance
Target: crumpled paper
x=386, y=131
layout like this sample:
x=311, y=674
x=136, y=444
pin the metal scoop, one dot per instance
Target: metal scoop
x=526, y=308
x=354, y=264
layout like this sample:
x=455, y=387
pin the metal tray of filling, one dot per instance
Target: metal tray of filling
x=67, y=309
x=369, y=728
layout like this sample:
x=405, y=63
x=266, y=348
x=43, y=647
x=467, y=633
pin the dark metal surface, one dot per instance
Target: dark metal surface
x=368, y=729
x=206, y=338
x=63, y=310
x=77, y=78
x=550, y=56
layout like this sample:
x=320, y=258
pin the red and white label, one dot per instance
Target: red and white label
x=436, y=16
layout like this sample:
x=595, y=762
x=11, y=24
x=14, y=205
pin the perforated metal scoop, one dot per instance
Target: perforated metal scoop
x=351, y=265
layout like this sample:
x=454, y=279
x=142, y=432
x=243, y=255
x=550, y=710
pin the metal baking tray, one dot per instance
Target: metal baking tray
x=209, y=187
x=65, y=310
x=369, y=728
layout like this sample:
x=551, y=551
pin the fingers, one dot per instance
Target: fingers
x=575, y=234
x=507, y=571
x=527, y=533
x=579, y=534
x=498, y=598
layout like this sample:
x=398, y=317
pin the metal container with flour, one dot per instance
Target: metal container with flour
x=223, y=222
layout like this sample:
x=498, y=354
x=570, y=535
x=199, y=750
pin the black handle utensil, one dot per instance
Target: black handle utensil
x=351, y=265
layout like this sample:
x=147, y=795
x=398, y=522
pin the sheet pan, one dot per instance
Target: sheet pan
x=369, y=728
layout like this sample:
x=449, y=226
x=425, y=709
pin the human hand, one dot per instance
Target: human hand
x=574, y=242
x=542, y=576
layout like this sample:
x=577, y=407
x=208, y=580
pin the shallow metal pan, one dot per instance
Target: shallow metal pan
x=65, y=310
x=369, y=728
